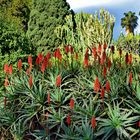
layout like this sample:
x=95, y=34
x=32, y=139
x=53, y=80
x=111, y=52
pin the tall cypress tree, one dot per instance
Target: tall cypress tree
x=45, y=16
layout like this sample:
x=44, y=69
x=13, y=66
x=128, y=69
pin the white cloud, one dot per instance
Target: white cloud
x=86, y=3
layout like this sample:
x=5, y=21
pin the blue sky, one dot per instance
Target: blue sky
x=115, y=7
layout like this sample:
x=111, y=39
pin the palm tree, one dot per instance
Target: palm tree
x=129, y=22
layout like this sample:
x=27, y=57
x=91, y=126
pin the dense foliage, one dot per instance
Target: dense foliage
x=13, y=45
x=45, y=16
x=129, y=43
x=16, y=11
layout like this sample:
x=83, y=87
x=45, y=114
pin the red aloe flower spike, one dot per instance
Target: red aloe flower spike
x=107, y=86
x=37, y=61
x=71, y=49
x=5, y=102
x=57, y=54
x=68, y=119
x=6, y=69
x=76, y=56
x=71, y=103
x=29, y=59
x=30, y=81
x=99, y=49
x=104, y=71
x=49, y=98
x=105, y=46
x=103, y=58
x=94, y=53
x=130, y=59
x=109, y=63
x=48, y=56
x=112, y=49
x=58, y=80
x=67, y=49
x=40, y=56
x=120, y=52
x=104, y=55
x=86, y=62
x=96, y=85
x=130, y=78
x=126, y=58
x=43, y=66
x=19, y=64
x=93, y=122
x=6, y=83
x=102, y=93
x=10, y=69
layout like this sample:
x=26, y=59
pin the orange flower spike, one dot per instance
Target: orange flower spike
x=67, y=49
x=130, y=59
x=94, y=53
x=6, y=69
x=93, y=122
x=37, y=61
x=126, y=58
x=58, y=80
x=76, y=56
x=130, y=78
x=112, y=49
x=107, y=86
x=99, y=49
x=85, y=62
x=30, y=81
x=86, y=58
x=10, y=69
x=29, y=59
x=68, y=120
x=120, y=52
x=71, y=49
x=40, y=56
x=19, y=64
x=48, y=56
x=109, y=63
x=104, y=71
x=71, y=103
x=102, y=93
x=105, y=46
x=103, y=58
x=96, y=85
x=43, y=67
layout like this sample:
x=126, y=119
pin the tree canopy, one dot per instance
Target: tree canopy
x=45, y=16
x=129, y=22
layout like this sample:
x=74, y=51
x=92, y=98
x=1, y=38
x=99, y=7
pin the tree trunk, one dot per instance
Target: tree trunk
x=129, y=31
